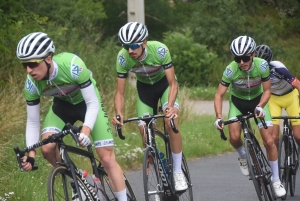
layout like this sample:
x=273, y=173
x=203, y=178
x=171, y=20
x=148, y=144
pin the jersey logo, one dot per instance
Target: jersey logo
x=263, y=65
x=228, y=72
x=29, y=86
x=121, y=60
x=161, y=51
x=75, y=69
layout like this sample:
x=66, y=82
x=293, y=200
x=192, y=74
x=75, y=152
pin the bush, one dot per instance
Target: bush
x=190, y=59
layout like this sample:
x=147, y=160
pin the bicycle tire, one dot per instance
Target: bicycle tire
x=262, y=190
x=283, y=167
x=186, y=195
x=109, y=190
x=59, y=185
x=294, y=160
x=152, y=182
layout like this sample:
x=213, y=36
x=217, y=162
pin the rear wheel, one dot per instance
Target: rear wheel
x=152, y=183
x=261, y=182
x=283, y=166
x=62, y=188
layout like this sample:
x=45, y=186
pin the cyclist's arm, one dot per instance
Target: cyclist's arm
x=32, y=125
x=170, y=74
x=119, y=97
x=92, y=107
x=266, y=93
x=296, y=84
x=219, y=98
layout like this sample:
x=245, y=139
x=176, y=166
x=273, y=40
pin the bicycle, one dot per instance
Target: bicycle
x=288, y=162
x=259, y=169
x=158, y=178
x=66, y=178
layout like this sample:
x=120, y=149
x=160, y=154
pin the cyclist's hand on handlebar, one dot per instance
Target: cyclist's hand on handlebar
x=84, y=140
x=115, y=121
x=219, y=124
x=27, y=163
x=170, y=112
x=259, y=110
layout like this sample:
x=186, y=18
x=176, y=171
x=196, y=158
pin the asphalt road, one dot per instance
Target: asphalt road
x=215, y=178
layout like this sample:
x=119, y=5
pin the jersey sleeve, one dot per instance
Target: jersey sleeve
x=264, y=70
x=31, y=92
x=79, y=71
x=164, y=55
x=283, y=73
x=121, y=64
x=227, y=75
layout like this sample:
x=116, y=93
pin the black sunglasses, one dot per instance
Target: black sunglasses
x=242, y=58
x=131, y=46
x=32, y=64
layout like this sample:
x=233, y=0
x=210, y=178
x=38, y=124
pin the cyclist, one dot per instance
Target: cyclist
x=285, y=89
x=151, y=62
x=249, y=81
x=66, y=78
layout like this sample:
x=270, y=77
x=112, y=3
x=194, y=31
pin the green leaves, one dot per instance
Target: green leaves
x=191, y=60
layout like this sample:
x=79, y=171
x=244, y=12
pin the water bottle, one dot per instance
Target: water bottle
x=92, y=180
x=100, y=191
x=164, y=162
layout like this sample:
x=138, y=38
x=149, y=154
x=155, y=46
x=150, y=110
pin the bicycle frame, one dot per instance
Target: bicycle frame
x=64, y=149
x=288, y=131
x=260, y=169
x=166, y=181
x=67, y=162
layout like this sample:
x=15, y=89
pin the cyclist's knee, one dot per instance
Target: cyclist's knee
x=107, y=156
x=48, y=150
x=269, y=143
x=235, y=137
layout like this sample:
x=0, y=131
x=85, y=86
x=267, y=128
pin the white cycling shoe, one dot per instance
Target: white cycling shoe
x=180, y=181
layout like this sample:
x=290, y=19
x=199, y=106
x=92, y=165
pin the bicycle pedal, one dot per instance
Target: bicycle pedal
x=250, y=178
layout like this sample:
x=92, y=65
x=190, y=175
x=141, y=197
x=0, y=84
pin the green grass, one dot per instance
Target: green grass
x=205, y=93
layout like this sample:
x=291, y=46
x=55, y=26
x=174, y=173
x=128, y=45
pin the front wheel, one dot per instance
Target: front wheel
x=283, y=166
x=294, y=160
x=152, y=183
x=256, y=172
x=62, y=188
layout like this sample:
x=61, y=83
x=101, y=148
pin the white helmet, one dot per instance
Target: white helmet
x=132, y=32
x=242, y=45
x=35, y=45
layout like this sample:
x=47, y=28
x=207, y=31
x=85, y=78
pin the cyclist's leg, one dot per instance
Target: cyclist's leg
x=235, y=130
x=175, y=143
x=103, y=141
x=146, y=104
x=53, y=123
x=272, y=153
x=275, y=106
x=143, y=109
x=293, y=110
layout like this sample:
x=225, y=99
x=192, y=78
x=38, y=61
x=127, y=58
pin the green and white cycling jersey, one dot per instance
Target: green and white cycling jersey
x=246, y=85
x=72, y=83
x=63, y=83
x=149, y=70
